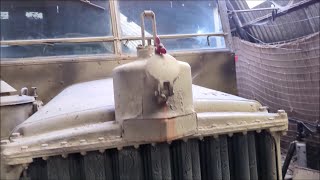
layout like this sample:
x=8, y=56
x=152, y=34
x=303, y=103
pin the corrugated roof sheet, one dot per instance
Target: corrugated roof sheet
x=304, y=20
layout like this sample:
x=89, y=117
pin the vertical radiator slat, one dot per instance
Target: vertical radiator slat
x=165, y=161
x=130, y=164
x=94, y=165
x=224, y=158
x=231, y=158
x=203, y=159
x=210, y=158
x=183, y=161
x=194, y=147
x=156, y=161
x=268, y=157
x=38, y=170
x=108, y=168
x=242, y=171
x=76, y=167
x=58, y=168
x=252, y=156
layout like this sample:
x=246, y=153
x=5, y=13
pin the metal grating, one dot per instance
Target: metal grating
x=250, y=156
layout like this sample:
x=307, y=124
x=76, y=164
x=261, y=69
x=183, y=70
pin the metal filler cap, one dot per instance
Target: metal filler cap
x=153, y=96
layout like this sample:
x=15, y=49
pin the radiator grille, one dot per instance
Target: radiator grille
x=251, y=156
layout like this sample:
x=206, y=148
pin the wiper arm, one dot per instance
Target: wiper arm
x=93, y=5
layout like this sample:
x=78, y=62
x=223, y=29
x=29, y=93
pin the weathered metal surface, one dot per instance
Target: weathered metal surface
x=15, y=100
x=305, y=173
x=211, y=69
x=14, y=109
x=6, y=88
x=182, y=160
x=88, y=124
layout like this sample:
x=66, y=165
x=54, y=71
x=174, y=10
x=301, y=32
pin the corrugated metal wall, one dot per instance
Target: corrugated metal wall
x=284, y=76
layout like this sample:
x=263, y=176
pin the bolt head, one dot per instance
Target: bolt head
x=63, y=143
x=5, y=141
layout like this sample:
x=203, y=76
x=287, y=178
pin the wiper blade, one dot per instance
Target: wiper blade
x=93, y=5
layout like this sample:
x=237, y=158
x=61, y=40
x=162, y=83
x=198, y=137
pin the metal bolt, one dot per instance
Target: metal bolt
x=83, y=153
x=153, y=144
x=258, y=130
x=5, y=141
x=45, y=158
x=284, y=133
x=44, y=145
x=244, y=132
x=200, y=138
x=136, y=146
x=101, y=138
x=63, y=143
x=119, y=148
x=102, y=150
x=230, y=134
x=64, y=155
x=281, y=111
x=263, y=108
x=24, y=148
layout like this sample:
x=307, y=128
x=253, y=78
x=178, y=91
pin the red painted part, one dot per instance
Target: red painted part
x=236, y=58
x=160, y=49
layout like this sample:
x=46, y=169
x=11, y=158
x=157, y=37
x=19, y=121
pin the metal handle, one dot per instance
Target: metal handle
x=154, y=26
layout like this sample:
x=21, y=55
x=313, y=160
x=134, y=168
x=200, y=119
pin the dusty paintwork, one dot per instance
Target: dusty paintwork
x=14, y=109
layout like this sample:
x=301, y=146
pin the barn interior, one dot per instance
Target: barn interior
x=59, y=55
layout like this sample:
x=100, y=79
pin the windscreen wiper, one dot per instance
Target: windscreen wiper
x=93, y=5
